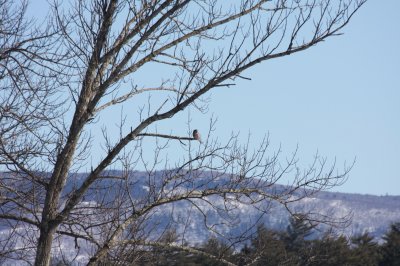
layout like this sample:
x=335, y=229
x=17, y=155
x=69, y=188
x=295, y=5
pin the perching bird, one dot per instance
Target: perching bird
x=196, y=135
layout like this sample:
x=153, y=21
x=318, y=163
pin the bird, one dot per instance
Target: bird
x=196, y=135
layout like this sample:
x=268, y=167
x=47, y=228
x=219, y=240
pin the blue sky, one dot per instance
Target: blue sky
x=340, y=98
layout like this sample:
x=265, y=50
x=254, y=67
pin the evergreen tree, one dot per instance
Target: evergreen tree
x=296, y=239
x=214, y=247
x=329, y=251
x=365, y=251
x=391, y=248
x=166, y=256
x=267, y=248
x=298, y=230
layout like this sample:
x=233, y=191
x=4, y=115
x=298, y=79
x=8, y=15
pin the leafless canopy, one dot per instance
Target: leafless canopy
x=59, y=79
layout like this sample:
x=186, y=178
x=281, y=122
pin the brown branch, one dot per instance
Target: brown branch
x=164, y=136
x=175, y=246
x=18, y=218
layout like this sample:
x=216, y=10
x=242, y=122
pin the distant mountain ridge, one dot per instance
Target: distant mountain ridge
x=370, y=213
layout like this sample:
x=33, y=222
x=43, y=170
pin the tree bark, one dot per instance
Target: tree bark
x=43, y=252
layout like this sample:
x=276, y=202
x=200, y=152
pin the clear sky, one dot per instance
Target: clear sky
x=340, y=98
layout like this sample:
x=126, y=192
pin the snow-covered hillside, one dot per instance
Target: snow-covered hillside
x=369, y=213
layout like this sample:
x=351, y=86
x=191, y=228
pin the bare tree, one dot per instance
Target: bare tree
x=55, y=89
x=27, y=104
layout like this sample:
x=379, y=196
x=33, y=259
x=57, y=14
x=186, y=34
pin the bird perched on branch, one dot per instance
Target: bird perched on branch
x=196, y=135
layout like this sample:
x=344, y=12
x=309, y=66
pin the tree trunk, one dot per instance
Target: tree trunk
x=43, y=251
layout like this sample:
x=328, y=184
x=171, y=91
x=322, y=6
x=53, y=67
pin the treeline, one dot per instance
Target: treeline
x=295, y=246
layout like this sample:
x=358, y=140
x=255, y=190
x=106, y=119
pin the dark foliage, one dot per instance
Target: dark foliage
x=295, y=246
x=391, y=248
